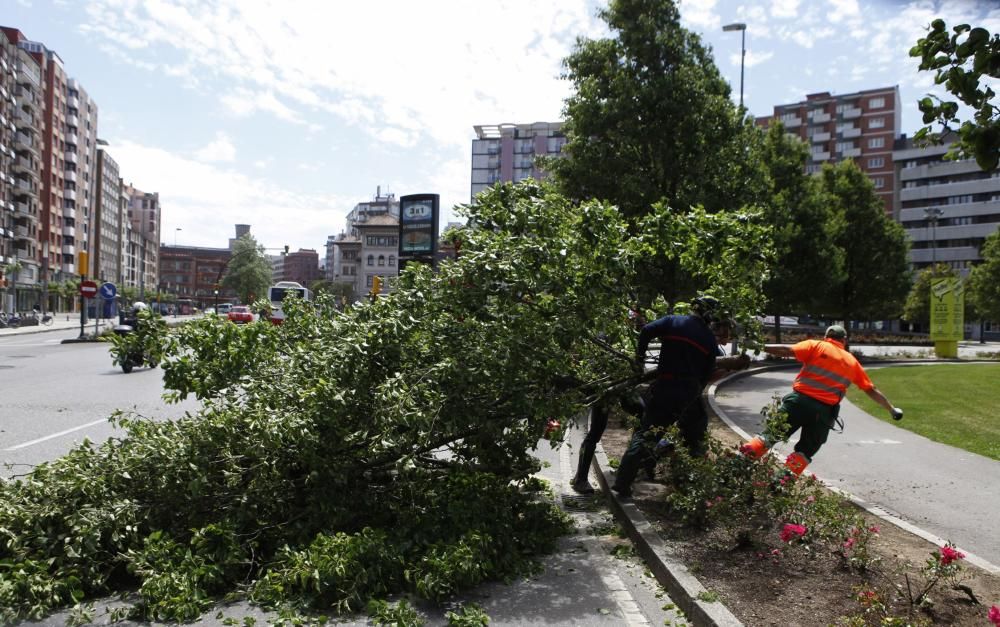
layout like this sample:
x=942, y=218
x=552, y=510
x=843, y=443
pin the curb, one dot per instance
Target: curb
x=682, y=586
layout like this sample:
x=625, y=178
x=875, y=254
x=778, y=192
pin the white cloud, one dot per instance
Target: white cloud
x=841, y=10
x=784, y=8
x=200, y=198
x=219, y=149
x=752, y=58
x=700, y=13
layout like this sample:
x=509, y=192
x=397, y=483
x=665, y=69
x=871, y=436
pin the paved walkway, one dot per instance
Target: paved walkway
x=935, y=490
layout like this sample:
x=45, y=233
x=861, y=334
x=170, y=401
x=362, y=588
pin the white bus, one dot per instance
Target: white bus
x=277, y=293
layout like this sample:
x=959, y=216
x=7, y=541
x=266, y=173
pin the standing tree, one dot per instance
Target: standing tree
x=651, y=120
x=960, y=62
x=984, y=281
x=808, y=264
x=876, y=275
x=248, y=271
x=918, y=303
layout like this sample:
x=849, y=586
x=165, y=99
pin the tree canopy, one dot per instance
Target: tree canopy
x=248, y=272
x=326, y=470
x=918, y=303
x=876, y=277
x=808, y=263
x=960, y=61
x=984, y=280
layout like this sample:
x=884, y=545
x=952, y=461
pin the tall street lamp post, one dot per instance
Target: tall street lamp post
x=933, y=214
x=175, y=235
x=740, y=26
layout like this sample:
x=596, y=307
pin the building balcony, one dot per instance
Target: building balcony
x=850, y=114
x=69, y=249
x=820, y=156
x=961, y=188
x=22, y=232
x=820, y=137
x=73, y=102
x=26, y=120
x=72, y=120
x=819, y=118
x=25, y=210
x=68, y=267
x=28, y=74
x=25, y=187
x=937, y=170
x=25, y=96
x=25, y=165
x=69, y=213
x=70, y=176
x=69, y=194
x=69, y=231
x=71, y=137
x=849, y=133
x=23, y=142
x=70, y=156
x=851, y=152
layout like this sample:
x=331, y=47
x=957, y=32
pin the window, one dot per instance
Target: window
x=813, y=168
x=876, y=122
x=876, y=142
x=381, y=260
x=392, y=260
x=844, y=146
x=876, y=103
x=960, y=200
x=371, y=261
x=876, y=162
x=879, y=182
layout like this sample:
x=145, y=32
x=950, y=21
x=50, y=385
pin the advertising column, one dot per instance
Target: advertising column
x=418, y=219
x=947, y=315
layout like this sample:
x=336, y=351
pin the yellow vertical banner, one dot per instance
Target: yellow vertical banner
x=947, y=310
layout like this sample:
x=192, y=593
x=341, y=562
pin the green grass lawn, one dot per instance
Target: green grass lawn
x=955, y=404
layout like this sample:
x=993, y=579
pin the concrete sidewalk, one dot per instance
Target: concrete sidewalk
x=68, y=321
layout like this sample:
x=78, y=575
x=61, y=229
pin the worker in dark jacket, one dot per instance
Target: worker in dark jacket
x=688, y=358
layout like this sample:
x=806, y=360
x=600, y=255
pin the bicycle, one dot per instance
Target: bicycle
x=9, y=321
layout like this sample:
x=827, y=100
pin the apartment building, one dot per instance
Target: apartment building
x=302, y=267
x=107, y=221
x=367, y=247
x=862, y=126
x=947, y=208
x=143, y=241
x=507, y=152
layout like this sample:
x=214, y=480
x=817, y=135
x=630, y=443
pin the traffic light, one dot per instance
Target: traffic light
x=376, y=285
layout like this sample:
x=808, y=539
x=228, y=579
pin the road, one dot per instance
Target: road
x=948, y=492
x=53, y=395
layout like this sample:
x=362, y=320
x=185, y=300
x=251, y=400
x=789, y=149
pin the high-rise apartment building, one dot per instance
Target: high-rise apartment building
x=948, y=208
x=143, y=214
x=506, y=152
x=107, y=220
x=861, y=126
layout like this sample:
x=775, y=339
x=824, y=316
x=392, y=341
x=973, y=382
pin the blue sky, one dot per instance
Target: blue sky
x=283, y=114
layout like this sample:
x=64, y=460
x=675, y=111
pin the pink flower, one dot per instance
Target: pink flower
x=994, y=615
x=849, y=543
x=874, y=529
x=792, y=532
x=950, y=554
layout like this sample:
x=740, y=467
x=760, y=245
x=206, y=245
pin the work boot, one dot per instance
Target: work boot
x=580, y=483
x=796, y=463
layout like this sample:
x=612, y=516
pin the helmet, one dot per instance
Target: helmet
x=836, y=332
x=707, y=308
x=138, y=306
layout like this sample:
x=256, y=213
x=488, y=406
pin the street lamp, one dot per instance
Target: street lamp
x=175, y=235
x=932, y=214
x=740, y=26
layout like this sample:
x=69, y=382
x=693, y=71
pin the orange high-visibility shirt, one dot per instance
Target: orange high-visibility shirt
x=827, y=371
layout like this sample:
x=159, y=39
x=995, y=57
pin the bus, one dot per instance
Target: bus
x=278, y=292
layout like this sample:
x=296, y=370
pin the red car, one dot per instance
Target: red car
x=240, y=314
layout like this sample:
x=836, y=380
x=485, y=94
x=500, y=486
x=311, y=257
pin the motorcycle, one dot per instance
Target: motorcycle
x=130, y=353
x=137, y=340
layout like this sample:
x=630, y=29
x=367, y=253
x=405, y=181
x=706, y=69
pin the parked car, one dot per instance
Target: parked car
x=209, y=310
x=240, y=314
x=224, y=308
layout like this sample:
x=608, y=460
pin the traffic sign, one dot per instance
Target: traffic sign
x=108, y=291
x=88, y=289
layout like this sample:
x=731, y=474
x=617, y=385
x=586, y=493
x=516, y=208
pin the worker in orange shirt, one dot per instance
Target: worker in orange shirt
x=828, y=369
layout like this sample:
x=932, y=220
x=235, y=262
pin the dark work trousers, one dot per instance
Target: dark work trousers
x=813, y=417
x=670, y=402
x=598, y=423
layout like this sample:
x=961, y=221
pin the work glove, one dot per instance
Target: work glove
x=897, y=413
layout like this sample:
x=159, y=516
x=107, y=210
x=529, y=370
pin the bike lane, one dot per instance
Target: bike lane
x=934, y=490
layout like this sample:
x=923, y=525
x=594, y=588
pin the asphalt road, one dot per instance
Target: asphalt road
x=948, y=492
x=53, y=395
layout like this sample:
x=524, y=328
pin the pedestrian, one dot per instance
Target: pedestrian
x=687, y=361
x=813, y=406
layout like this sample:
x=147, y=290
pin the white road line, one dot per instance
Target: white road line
x=56, y=435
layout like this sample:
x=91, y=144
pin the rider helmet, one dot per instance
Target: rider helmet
x=707, y=308
x=138, y=306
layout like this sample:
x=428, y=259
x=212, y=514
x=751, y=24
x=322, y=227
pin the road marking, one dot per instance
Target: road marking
x=55, y=435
